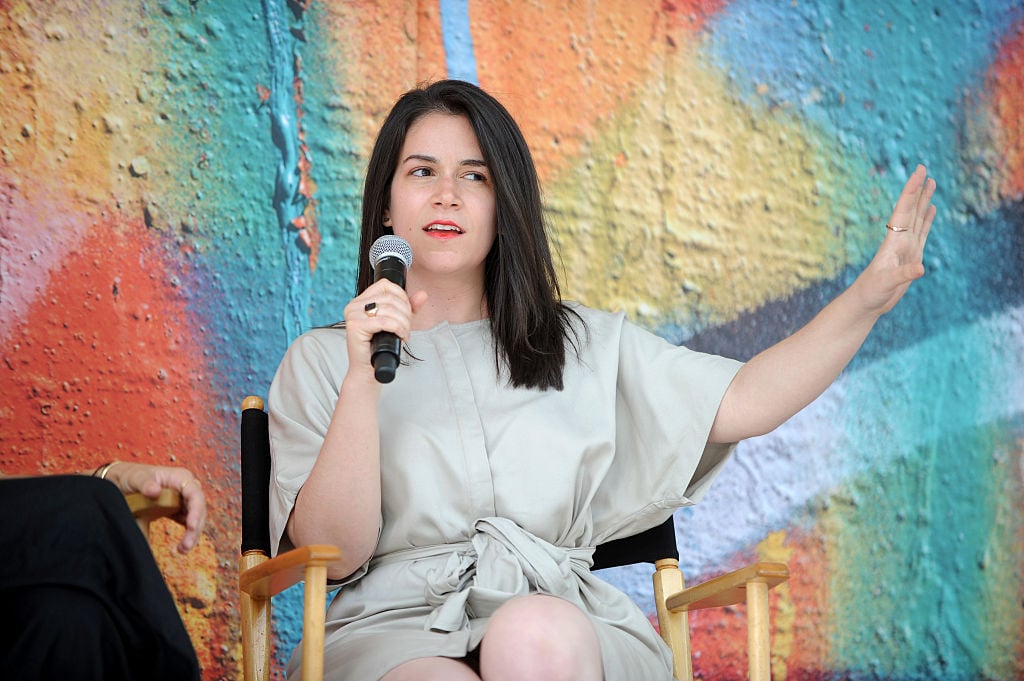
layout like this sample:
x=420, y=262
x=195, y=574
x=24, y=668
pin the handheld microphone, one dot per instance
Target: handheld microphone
x=390, y=257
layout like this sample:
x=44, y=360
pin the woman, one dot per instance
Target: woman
x=467, y=495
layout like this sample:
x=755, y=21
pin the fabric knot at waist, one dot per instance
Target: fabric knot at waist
x=501, y=561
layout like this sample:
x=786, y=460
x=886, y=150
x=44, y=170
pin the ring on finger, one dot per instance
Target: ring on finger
x=896, y=229
x=370, y=309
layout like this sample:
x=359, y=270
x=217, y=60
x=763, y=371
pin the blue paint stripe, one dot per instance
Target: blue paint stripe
x=460, y=59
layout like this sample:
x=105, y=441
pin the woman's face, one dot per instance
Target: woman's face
x=442, y=199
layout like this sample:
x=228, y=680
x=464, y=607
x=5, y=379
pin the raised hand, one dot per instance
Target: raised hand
x=899, y=260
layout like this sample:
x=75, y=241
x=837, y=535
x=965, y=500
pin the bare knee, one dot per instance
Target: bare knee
x=543, y=638
x=431, y=669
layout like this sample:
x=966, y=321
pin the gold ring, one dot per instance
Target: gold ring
x=896, y=229
x=370, y=309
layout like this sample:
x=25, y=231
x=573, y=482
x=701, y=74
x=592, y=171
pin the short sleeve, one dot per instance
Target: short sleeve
x=300, y=404
x=667, y=397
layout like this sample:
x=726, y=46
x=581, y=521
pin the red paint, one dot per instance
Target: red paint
x=107, y=364
x=692, y=14
x=719, y=635
x=99, y=357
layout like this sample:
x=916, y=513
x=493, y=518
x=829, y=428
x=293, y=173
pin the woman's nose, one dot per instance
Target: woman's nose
x=446, y=192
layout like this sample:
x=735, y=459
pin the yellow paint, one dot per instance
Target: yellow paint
x=690, y=207
x=773, y=549
x=1003, y=563
x=71, y=109
x=193, y=578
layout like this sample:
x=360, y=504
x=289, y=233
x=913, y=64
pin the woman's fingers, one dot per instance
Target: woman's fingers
x=913, y=211
x=381, y=307
x=149, y=480
x=194, y=501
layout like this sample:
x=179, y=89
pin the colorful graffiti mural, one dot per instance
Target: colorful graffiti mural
x=179, y=198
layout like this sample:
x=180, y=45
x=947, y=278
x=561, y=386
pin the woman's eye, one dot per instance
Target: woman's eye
x=420, y=172
x=476, y=177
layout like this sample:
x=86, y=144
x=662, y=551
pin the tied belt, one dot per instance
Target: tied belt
x=500, y=562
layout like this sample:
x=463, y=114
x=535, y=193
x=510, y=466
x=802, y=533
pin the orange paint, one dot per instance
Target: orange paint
x=566, y=82
x=1006, y=82
x=309, y=230
x=430, y=55
x=378, y=50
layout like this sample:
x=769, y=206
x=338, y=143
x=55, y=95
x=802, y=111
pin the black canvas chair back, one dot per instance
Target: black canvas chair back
x=648, y=546
x=255, y=465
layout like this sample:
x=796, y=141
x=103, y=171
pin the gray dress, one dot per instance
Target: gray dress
x=491, y=492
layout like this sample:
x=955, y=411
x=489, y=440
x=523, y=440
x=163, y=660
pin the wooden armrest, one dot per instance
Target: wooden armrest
x=273, y=576
x=728, y=589
x=146, y=509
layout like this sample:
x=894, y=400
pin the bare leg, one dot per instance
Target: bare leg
x=431, y=669
x=541, y=638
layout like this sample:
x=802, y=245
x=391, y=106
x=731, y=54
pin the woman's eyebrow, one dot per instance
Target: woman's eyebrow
x=431, y=159
x=419, y=157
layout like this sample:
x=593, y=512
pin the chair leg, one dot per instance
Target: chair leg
x=674, y=625
x=314, y=600
x=757, y=631
x=255, y=616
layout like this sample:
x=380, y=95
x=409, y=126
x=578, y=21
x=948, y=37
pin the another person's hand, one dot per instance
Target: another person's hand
x=898, y=261
x=150, y=480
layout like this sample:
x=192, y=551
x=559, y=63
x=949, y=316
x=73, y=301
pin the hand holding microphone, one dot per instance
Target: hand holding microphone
x=390, y=257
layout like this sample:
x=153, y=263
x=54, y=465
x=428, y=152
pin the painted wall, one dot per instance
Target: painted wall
x=179, y=186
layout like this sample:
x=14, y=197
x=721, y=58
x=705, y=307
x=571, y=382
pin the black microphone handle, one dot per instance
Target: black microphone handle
x=386, y=346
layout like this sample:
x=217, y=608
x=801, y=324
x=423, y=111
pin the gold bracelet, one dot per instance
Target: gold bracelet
x=102, y=471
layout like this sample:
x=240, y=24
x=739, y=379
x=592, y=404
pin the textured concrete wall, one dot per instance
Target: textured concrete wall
x=179, y=186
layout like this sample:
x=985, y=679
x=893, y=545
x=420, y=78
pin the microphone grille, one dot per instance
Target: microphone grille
x=392, y=246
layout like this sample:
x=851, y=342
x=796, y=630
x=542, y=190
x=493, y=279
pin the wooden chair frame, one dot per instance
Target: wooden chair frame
x=260, y=578
x=748, y=585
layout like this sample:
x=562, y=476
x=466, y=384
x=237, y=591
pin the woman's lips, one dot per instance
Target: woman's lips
x=443, y=229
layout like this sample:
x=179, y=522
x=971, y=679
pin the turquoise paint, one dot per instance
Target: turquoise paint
x=934, y=407
x=883, y=76
x=335, y=146
x=213, y=206
x=288, y=203
x=809, y=457
x=929, y=409
x=913, y=583
x=884, y=80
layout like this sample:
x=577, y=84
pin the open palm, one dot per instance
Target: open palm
x=898, y=261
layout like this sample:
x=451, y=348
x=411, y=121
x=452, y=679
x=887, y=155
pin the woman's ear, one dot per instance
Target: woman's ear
x=387, y=218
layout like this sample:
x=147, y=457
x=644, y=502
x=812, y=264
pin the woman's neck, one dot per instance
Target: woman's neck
x=452, y=302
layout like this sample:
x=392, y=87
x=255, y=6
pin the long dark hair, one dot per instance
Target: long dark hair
x=530, y=323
